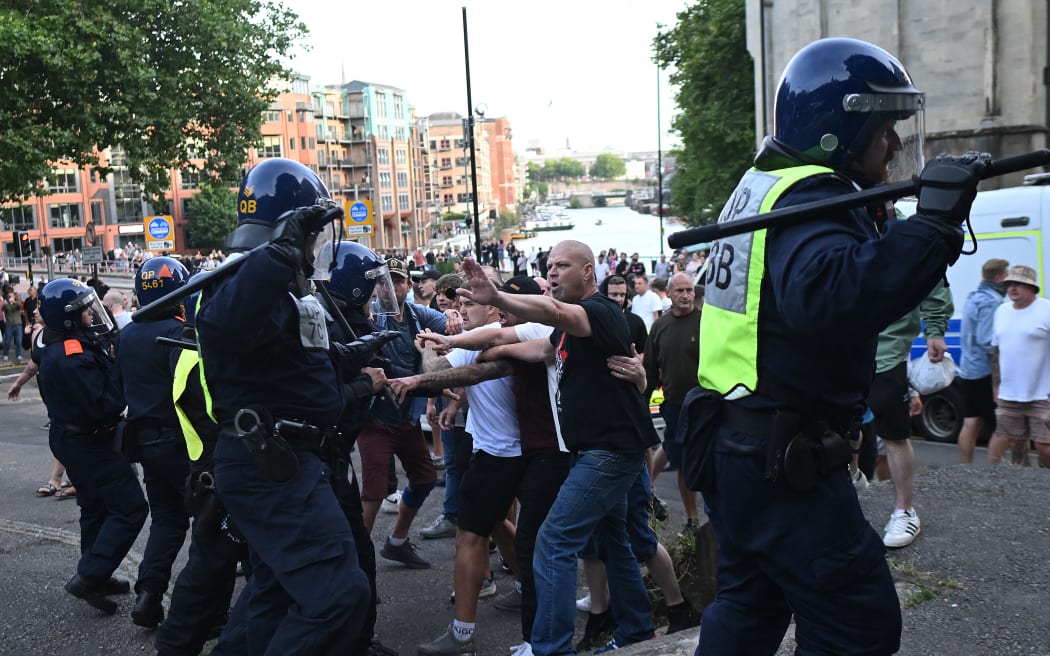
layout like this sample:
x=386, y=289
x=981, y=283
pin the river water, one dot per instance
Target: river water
x=621, y=228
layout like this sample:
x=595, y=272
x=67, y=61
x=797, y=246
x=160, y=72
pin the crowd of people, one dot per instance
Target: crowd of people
x=780, y=356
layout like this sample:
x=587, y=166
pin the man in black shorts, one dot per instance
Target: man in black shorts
x=975, y=370
x=893, y=405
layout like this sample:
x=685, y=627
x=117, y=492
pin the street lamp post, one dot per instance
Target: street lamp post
x=473, y=154
x=659, y=163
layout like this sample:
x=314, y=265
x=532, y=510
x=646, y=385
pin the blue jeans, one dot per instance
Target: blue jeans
x=13, y=334
x=781, y=551
x=452, y=476
x=592, y=501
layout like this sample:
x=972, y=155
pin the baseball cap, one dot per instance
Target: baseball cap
x=1022, y=274
x=426, y=274
x=397, y=267
x=521, y=285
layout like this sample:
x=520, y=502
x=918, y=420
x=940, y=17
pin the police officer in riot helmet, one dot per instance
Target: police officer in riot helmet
x=277, y=395
x=803, y=305
x=360, y=286
x=151, y=432
x=80, y=385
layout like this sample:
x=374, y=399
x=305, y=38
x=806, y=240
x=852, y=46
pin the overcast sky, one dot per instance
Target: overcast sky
x=563, y=71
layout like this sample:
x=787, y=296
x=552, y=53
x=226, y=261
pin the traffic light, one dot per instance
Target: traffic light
x=22, y=247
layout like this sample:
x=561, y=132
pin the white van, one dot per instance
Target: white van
x=1012, y=224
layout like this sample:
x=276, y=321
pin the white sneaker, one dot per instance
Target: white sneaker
x=524, y=649
x=860, y=481
x=584, y=605
x=901, y=529
x=391, y=503
x=488, y=588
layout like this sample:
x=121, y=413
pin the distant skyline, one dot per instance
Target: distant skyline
x=576, y=73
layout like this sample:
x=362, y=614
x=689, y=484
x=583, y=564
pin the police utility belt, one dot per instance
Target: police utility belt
x=799, y=450
x=272, y=442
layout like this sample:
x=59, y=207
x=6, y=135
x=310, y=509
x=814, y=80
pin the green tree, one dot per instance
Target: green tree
x=172, y=82
x=214, y=214
x=714, y=75
x=608, y=167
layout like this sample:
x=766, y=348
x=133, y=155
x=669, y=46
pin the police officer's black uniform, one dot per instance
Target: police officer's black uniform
x=277, y=396
x=79, y=383
x=152, y=435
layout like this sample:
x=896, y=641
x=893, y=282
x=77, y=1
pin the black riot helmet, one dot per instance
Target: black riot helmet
x=271, y=188
x=361, y=276
x=68, y=306
x=836, y=93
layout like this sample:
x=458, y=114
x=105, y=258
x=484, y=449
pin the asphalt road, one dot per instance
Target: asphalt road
x=39, y=540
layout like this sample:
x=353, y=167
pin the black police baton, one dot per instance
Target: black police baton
x=225, y=270
x=796, y=214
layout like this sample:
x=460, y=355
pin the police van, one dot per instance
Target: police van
x=1008, y=224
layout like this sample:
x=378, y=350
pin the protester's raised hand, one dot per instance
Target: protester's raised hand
x=481, y=291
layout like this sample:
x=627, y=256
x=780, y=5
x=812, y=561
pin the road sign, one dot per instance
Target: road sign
x=90, y=236
x=360, y=220
x=91, y=255
x=160, y=233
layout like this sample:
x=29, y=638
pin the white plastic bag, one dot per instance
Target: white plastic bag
x=927, y=377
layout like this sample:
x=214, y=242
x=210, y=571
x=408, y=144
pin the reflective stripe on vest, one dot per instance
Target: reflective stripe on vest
x=183, y=370
x=733, y=285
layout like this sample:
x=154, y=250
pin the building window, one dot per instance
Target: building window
x=384, y=156
x=400, y=156
x=337, y=181
x=302, y=143
x=189, y=179
x=97, y=216
x=291, y=144
x=17, y=218
x=271, y=115
x=66, y=215
x=387, y=202
x=322, y=157
x=186, y=205
x=433, y=144
x=383, y=133
x=446, y=181
x=63, y=181
x=402, y=202
x=271, y=147
x=129, y=210
x=402, y=179
x=446, y=199
x=446, y=162
x=398, y=111
x=384, y=179
x=291, y=117
x=381, y=105
x=313, y=143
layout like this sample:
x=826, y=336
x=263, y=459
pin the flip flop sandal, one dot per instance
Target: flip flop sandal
x=66, y=493
x=46, y=490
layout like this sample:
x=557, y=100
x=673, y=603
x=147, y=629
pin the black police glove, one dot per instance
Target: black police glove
x=293, y=231
x=948, y=185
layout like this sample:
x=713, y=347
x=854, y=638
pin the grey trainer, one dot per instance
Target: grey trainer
x=439, y=528
x=447, y=645
x=404, y=554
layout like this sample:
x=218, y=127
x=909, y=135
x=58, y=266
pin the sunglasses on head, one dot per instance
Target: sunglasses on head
x=450, y=293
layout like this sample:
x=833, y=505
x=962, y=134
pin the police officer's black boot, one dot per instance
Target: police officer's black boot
x=92, y=592
x=148, y=611
x=116, y=586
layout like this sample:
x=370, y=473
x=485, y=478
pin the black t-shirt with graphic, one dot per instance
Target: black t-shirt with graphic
x=596, y=409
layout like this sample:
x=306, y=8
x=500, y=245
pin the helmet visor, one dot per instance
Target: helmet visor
x=893, y=139
x=384, y=299
x=92, y=314
x=324, y=249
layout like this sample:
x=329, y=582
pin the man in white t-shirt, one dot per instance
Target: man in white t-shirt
x=1021, y=370
x=646, y=303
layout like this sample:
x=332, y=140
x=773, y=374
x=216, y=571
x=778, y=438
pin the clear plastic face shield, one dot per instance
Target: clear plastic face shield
x=325, y=247
x=93, y=315
x=384, y=299
x=897, y=133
